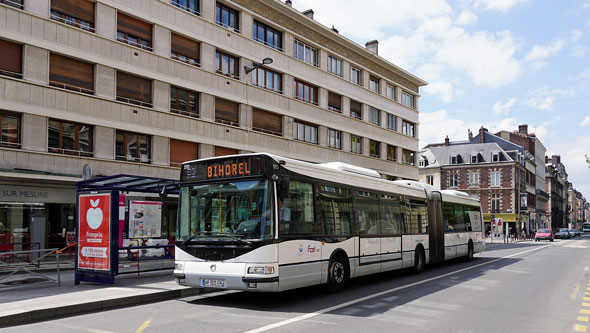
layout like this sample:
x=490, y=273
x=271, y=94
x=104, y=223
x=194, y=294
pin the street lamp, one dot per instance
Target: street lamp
x=265, y=61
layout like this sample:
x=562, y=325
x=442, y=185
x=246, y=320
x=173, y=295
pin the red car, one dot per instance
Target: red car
x=545, y=234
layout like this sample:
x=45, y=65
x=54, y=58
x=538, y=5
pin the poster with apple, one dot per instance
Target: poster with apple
x=94, y=233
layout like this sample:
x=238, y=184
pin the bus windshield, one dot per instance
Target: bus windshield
x=233, y=209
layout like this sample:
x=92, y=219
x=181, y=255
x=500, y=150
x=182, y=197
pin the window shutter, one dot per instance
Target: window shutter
x=182, y=151
x=134, y=87
x=335, y=100
x=222, y=151
x=185, y=46
x=81, y=9
x=355, y=106
x=11, y=56
x=71, y=72
x=267, y=121
x=226, y=110
x=134, y=27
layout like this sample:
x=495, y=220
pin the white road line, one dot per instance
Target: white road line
x=585, y=268
x=366, y=298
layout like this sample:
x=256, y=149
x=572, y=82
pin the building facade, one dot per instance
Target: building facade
x=137, y=87
x=556, y=184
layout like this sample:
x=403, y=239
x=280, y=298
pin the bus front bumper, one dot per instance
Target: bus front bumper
x=230, y=276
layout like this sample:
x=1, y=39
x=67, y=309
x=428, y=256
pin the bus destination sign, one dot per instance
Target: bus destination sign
x=234, y=167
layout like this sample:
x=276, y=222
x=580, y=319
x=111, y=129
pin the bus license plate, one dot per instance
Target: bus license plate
x=213, y=283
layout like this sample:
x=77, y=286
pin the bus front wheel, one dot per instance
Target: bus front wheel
x=337, y=274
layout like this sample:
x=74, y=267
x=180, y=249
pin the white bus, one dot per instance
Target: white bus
x=586, y=227
x=260, y=222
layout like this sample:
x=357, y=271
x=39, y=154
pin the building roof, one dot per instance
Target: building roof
x=441, y=155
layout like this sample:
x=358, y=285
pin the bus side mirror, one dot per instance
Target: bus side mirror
x=284, y=187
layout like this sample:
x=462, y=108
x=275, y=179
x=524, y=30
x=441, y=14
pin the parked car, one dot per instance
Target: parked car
x=544, y=234
x=576, y=232
x=563, y=233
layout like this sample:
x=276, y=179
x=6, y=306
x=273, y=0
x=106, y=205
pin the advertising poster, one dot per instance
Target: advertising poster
x=94, y=233
x=145, y=219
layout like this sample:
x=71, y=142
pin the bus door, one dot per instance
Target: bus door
x=436, y=236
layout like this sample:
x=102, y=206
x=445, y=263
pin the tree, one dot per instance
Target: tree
x=588, y=161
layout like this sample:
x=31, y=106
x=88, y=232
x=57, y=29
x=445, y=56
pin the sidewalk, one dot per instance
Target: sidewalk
x=36, y=303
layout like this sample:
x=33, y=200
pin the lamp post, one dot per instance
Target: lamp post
x=265, y=61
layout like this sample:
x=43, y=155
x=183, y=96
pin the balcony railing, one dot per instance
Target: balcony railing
x=185, y=59
x=70, y=152
x=136, y=44
x=15, y=4
x=70, y=87
x=258, y=129
x=72, y=23
x=227, y=122
x=185, y=8
x=8, y=144
x=134, y=101
x=128, y=158
x=185, y=113
x=11, y=74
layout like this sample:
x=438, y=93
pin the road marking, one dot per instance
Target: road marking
x=366, y=298
x=587, y=298
x=143, y=326
x=580, y=328
x=584, y=311
x=583, y=318
x=586, y=304
x=575, y=292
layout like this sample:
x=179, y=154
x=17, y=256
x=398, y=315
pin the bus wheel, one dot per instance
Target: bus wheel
x=337, y=274
x=469, y=251
x=419, y=260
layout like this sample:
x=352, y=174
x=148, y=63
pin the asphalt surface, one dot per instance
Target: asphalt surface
x=523, y=287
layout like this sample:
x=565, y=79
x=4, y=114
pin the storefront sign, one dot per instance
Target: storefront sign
x=504, y=217
x=13, y=193
x=94, y=233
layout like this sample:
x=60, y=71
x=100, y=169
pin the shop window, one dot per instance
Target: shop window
x=133, y=147
x=70, y=138
x=77, y=13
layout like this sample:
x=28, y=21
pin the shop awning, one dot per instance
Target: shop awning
x=129, y=183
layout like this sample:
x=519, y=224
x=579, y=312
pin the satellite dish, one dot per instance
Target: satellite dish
x=86, y=171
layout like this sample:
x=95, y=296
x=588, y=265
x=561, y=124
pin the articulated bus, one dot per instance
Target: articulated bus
x=586, y=227
x=261, y=222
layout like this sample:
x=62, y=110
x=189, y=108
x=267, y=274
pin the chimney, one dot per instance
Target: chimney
x=482, y=137
x=447, y=141
x=523, y=129
x=546, y=159
x=556, y=159
x=309, y=13
x=288, y=3
x=469, y=134
x=373, y=46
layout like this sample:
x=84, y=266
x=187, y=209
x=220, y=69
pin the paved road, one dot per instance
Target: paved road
x=524, y=287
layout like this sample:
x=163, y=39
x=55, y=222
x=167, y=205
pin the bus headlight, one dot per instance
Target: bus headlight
x=261, y=270
x=178, y=266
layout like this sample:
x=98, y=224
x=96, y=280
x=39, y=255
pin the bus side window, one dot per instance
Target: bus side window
x=299, y=203
x=335, y=210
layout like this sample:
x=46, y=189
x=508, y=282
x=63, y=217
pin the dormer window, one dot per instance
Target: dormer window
x=473, y=158
x=495, y=157
x=454, y=159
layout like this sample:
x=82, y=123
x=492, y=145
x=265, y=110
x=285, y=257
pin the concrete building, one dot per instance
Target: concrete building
x=137, y=87
x=576, y=207
x=497, y=172
x=556, y=184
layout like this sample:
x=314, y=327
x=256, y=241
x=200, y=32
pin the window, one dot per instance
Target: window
x=391, y=92
x=132, y=147
x=77, y=13
x=226, y=112
x=224, y=151
x=453, y=159
x=14, y=3
x=356, y=110
x=300, y=201
x=408, y=157
x=334, y=139
x=495, y=157
x=334, y=65
x=375, y=116
x=227, y=64
x=267, y=122
x=305, y=53
x=473, y=179
x=356, y=76
x=191, y=6
x=495, y=203
x=418, y=219
x=334, y=102
x=391, y=122
x=391, y=215
x=268, y=36
x=374, y=85
x=9, y=129
x=227, y=17
x=185, y=50
x=453, y=180
x=134, y=32
x=305, y=92
x=305, y=132
x=407, y=128
x=69, y=138
x=495, y=178
x=134, y=89
x=430, y=180
x=184, y=102
x=408, y=100
x=391, y=153
x=268, y=79
x=366, y=212
x=11, y=59
x=335, y=210
x=474, y=159
x=374, y=148
x=182, y=151
x=71, y=74
x=356, y=144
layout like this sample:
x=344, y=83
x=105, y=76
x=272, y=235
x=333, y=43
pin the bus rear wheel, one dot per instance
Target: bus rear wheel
x=337, y=274
x=419, y=260
x=469, y=252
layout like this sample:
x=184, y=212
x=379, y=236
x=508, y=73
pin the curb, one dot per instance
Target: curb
x=33, y=316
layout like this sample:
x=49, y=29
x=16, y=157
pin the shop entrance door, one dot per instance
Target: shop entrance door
x=37, y=232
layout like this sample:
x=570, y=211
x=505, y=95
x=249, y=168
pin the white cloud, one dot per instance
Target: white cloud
x=580, y=51
x=540, y=52
x=585, y=122
x=499, y=5
x=576, y=35
x=572, y=151
x=466, y=17
x=504, y=108
x=543, y=98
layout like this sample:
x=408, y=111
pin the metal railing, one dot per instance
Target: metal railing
x=71, y=23
x=185, y=59
x=136, y=44
x=134, y=101
x=11, y=74
x=7, y=144
x=185, y=113
x=70, y=87
x=10, y=268
x=185, y=8
x=14, y=4
x=70, y=152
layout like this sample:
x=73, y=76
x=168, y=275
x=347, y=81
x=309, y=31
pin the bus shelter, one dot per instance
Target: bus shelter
x=119, y=224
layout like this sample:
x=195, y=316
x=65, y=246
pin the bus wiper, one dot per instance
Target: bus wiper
x=234, y=238
x=193, y=236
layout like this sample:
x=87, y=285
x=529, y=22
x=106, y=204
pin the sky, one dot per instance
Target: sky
x=491, y=63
